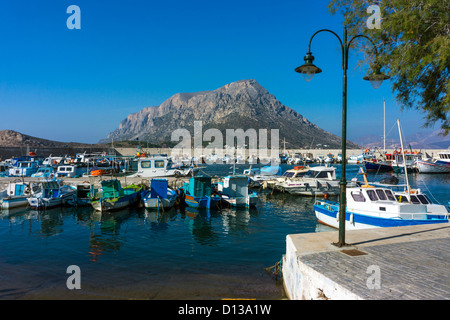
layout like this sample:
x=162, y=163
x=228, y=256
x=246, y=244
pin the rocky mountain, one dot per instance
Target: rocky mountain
x=239, y=105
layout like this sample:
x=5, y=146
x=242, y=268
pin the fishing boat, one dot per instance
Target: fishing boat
x=318, y=181
x=374, y=207
x=370, y=206
x=378, y=166
x=82, y=195
x=365, y=155
x=113, y=196
x=234, y=190
x=291, y=174
x=15, y=195
x=160, y=196
x=159, y=165
x=44, y=172
x=256, y=176
x=24, y=168
x=49, y=194
x=439, y=165
x=198, y=193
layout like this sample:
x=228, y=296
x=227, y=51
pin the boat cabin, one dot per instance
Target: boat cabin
x=71, y=171
x=382, y=200
x=24, y=168
x=199, y=186
x=321, y=172
x=235, y=186
x=44, y=172
x=298, y=171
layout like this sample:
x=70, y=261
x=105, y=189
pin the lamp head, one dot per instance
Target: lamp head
x=308, y=69
x=376, y=78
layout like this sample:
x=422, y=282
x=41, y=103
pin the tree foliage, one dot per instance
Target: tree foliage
x=413, y=45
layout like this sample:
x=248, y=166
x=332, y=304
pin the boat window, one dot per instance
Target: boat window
x=322, y=174
x=358, y=196
x=146, y=164
x=390, y=195
x=423, y=199
x=381, y=194
x=288, y=174
x=428, y=199
x=372, y=195
x=401, y=198
x=159, y=163
x=415, y=200
x=309, y=174
x=62, y=169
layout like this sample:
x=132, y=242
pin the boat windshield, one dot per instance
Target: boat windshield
x=423, y=199
x=288, y=174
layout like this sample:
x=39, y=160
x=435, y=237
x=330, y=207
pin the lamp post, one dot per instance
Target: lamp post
x=308, y=70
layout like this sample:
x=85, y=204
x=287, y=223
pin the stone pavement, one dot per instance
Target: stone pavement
x=405, y=263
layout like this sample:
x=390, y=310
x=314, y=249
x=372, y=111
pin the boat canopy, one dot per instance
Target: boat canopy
x=200, y=186
x=158, y=188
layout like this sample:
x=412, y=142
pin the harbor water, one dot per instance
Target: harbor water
x=140, y=254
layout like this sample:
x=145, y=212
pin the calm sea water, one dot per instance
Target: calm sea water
x=141, y=254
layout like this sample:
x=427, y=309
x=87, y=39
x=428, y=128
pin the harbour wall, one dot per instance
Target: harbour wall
x=8, y=152
x=314, y=152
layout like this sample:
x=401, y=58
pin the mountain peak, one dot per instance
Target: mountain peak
x=242, y=104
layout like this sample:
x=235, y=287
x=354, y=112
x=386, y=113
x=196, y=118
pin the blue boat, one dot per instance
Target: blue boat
x=198, y=193
x=160, y=196
x=376, y=207
x=377, y=166
x=235, y=191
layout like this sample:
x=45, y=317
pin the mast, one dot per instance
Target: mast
x=384, y=126
x=403, y=157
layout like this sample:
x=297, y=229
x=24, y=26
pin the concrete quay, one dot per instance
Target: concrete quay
x=401, y=263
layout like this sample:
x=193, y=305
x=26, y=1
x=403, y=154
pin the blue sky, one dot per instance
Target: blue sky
x=77, y=85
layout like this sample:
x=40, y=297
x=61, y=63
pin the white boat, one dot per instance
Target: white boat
x=432, y=167
x=439, y=165
x=317, y=181
x=256, y=176
x=297, y=158
x=160, y=196
x=52, y=161
x=24, y=169
x=15, y=195
x=49, y=194
x=374, y=207
x=291, y=175
x=71, y=171
x=365, y=155
x=158, y=165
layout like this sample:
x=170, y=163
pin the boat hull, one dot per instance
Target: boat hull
x=115, y=203
x=377, y=166
x=328, y=214
x=158, y=203
x=431, y=167
x=14, y=202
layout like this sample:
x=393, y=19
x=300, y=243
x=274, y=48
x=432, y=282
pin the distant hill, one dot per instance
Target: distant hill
x=239, y=105
x=11, y=138
x=431, y=140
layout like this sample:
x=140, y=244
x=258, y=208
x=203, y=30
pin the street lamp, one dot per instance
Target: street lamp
x=308, y=70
